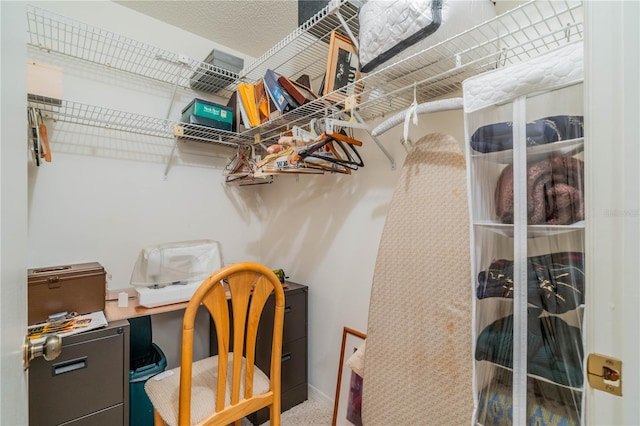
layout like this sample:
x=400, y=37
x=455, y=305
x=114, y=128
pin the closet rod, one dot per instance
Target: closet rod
x=424, y=108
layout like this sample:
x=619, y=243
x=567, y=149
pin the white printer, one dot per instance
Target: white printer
x=171, y=272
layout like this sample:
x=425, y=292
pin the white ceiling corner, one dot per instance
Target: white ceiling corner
x=248, y=26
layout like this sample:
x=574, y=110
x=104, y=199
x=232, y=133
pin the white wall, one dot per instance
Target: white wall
x=104, y=198
x=324, y=231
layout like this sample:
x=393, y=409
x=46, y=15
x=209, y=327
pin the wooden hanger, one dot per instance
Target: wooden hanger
x=342, y=136
x=241, y=170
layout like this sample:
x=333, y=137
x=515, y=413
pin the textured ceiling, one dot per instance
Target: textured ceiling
x=249, y=26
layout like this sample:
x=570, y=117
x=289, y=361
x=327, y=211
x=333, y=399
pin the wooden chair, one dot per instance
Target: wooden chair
x=225, y=388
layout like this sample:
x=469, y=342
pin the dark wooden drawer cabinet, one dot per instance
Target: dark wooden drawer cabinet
x=88, y=384
x=294, y=348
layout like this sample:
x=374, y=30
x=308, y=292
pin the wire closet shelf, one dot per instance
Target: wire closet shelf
x=96, y=116
x=515, y=36
x=433, y=73
x=436, y=72
x=51, y=32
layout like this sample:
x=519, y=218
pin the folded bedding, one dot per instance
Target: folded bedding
x=555, y=281
x=547, y=404
x=499, y=136
x=554, y=348
x=555, y=195
x=391, y=30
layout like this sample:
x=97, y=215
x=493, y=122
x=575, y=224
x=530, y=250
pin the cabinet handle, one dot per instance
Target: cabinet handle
x=287, y=309
x=286, y=357
x=68, y=366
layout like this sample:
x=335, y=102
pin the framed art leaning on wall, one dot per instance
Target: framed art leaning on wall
x=348, y=401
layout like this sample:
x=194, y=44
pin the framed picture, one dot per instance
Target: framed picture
x=348, y=401
x=343, y=69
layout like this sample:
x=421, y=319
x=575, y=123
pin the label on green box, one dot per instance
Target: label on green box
x=214, y=112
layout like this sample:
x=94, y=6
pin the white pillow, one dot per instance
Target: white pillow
x=356, y=361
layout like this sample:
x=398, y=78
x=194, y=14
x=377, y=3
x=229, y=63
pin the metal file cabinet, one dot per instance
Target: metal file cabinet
x=88, y=384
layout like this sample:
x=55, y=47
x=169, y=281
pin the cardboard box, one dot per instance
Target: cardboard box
x=205, y=113
x=77, y=288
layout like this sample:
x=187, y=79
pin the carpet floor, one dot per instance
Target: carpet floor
x=312, y=412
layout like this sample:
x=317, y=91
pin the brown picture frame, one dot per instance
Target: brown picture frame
x=347, y=403
x=343, y=69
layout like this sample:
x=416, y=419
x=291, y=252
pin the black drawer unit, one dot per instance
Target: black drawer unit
x=294, y=348
x=88, y=384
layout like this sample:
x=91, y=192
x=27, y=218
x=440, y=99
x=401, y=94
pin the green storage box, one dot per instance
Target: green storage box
x=205, y=113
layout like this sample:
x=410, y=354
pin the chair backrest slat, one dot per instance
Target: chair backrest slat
x=248, y=286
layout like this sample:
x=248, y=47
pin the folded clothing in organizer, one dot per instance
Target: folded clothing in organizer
x=547, y=404
x=555, y=281
x=554, y=348
x=555, y=195
x=499, y=136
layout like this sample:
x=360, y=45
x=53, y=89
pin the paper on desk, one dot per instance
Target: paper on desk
x=75, y=325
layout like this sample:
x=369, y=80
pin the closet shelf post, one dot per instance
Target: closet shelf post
x=375, y=139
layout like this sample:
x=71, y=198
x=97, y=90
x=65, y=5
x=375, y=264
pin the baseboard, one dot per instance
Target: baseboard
x=315, y=394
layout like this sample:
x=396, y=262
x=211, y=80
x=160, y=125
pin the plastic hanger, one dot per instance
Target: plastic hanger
x=325, y=149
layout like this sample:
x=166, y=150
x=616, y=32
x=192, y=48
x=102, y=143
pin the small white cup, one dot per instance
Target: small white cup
x=123, y=300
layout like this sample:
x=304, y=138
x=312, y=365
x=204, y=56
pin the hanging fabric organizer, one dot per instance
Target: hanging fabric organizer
x=525, y=176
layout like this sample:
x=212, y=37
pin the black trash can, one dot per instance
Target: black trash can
x=146, y=360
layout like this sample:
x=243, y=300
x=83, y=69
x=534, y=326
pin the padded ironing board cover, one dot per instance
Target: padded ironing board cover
x=418, y=361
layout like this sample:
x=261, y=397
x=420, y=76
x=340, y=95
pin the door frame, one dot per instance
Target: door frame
x=14, y=211
x=612, y=155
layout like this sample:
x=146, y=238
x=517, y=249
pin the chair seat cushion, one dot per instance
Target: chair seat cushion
x=164, y=393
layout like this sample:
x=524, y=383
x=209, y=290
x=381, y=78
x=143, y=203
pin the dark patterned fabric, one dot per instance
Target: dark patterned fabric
x=547, y=404
x=499, y=136
x=554, y=348
x=555, y=282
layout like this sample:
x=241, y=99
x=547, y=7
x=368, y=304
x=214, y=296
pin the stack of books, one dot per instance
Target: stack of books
x=270, y=96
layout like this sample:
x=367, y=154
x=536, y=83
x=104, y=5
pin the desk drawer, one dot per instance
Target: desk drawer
x=87, y=377
x=110, y=417
x=294, y=363
x=295, y=320
x=295, y=317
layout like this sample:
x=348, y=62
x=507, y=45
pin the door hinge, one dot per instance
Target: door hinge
x=605, y=373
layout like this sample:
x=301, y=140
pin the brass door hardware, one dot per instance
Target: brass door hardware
x=50, y=348
x=605, y=373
